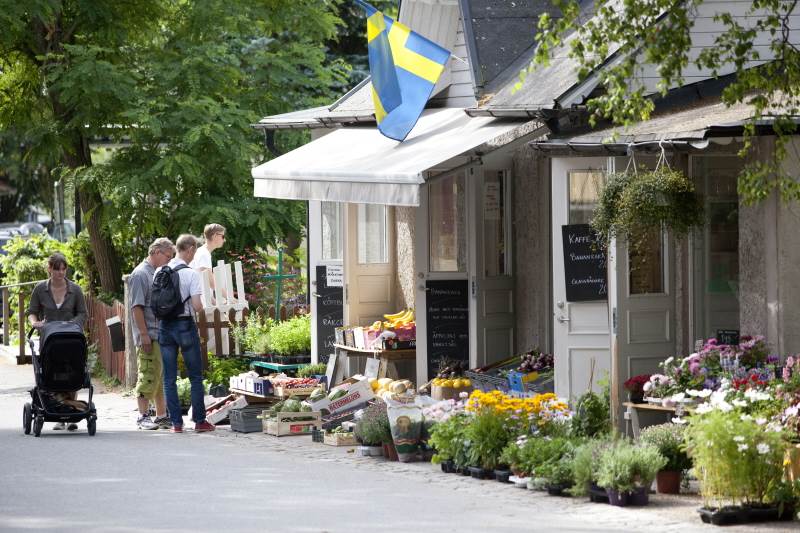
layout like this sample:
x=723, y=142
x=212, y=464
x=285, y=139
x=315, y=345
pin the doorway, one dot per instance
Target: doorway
x=326, y=265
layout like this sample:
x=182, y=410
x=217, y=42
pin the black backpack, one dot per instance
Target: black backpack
x=166, y=300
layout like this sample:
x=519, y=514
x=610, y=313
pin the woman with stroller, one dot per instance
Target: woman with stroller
x=57, y=298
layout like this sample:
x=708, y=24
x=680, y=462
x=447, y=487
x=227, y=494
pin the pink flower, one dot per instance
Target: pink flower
x=790, y=361
x=787, y=374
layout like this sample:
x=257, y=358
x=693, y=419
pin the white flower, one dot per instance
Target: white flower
x=763, y=448
x=679, y=397
x=761, y=421
x=738, y=438
x=745, y=418
x=669, y=361
x=739, y=403
x=792, y=411
x=725, y=407
x=704, y=408
x=648, y=386
x=705, y=393
x=756, y=395
x=678, y=420
x=463, y=395
x=742, y=447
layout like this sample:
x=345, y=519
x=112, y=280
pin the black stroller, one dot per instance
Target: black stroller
x=60, y=367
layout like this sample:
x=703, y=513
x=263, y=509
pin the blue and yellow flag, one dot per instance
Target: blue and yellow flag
x=405, y=67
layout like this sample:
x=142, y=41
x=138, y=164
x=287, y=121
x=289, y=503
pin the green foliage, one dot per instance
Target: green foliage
x=488, y=433
x=308, y=371
x=592, y=416
x=636, y=204
x=585, y=464
x=258, y=263
x=220, y=370
x=254, y=337
x=658, y=33
x=373, y=429
x=736, y=459
x=185, y=391
x=625, y=466
x=448, y=438
x=549, y=459
x=668, y=440
x=78, y=252
x=291, y=337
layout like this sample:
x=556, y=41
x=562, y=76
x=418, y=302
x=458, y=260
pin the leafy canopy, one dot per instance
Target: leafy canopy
x=622, y=36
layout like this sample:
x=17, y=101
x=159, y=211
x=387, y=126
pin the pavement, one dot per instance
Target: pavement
x=124, y=479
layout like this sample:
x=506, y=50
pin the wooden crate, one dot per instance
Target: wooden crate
x=340, y=439
x=300, y=392
x=291, y=423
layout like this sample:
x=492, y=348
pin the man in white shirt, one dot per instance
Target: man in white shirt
x=215, y=238
x=181, y=332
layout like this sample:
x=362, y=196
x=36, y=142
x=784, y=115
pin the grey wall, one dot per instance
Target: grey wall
x=531, y=234
x=404, y=230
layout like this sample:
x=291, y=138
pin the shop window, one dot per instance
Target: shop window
x=447, y=221
x=495, y=259
x=646, y=263
x=716, y=246
x=373, y=234
x=585, y=187
x=332, y=224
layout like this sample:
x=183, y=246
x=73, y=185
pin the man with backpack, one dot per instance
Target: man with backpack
x=175, y=299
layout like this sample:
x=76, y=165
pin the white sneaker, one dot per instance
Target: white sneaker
x=144, y=422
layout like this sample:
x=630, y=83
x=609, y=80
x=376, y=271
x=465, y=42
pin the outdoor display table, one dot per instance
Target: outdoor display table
x=632, y=415
x=387, y=358
x=276, y=367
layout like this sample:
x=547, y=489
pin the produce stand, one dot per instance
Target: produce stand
x=388, y=358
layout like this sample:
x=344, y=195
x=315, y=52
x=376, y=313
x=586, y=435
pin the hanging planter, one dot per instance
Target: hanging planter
x=636, y=204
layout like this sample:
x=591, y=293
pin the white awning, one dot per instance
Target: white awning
x=359, y=165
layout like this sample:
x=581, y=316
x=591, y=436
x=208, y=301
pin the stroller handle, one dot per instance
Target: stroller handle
x=30, y=340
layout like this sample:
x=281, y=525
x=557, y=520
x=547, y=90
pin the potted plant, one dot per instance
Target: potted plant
x=555, y=465
x=254, y=336
x=488, y=434
x=627, y=470
x=635, y=387
x=290, y=339
x=447, y=439
x=372, y=430
x=220, y=370
x=668, y=439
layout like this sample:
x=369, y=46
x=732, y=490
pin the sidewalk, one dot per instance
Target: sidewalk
x=117, y=414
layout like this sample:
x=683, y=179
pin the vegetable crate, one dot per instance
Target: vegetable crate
x=531, y=382
x=286, y=393
x=246, y=420
x=290, y=423
x=340, y=439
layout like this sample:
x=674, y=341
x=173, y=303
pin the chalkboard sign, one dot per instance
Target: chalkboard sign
x=728, y=336
x=447, y=312
x=330, y=312
x=584, y=264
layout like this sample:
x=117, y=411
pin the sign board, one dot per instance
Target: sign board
x=447, y=311
x=584, y=264
x=330, y=311
x=491, y=200
x=728, y=336
x=335, y=275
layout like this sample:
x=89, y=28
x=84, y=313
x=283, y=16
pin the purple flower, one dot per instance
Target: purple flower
x=790, y=361
x=773, y=359
x=711, y=342
x=694, y=368
x=787, y=374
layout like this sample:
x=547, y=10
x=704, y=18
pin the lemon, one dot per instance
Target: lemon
x=457, y=384
x=466, y=382
x=447, y=383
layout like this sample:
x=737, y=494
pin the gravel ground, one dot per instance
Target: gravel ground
x=129, y=480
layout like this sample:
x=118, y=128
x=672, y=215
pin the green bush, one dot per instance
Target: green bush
x=488, y=433
x=448, y=439
x=291, y=337
x=625, y=467
x=254, y=336
x=669, y=440
x=592, y=414
x=585, y=464
x=220, y=370
x=373, y=429
x=308, y=371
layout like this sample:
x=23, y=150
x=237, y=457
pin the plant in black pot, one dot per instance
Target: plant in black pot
x=447, y=439
x=627, y=470
x=669, y=440
x=372, y=430
x=635, y=387
x=488, y=434
x=291, y=339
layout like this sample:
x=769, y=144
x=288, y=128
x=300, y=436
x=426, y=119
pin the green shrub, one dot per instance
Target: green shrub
x=585, y=464
x=668, y=439
x=625, y=467
x=448, y=439
x=312, y=370
x=220, y=370
x=373, y=429
x=254, y=336
x=592, y=414
x=488, y=433
x=291, y=337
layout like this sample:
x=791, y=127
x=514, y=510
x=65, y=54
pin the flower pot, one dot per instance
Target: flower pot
x=723, y=516
x=557, y=490
x=479, y=472
x=519, y=481
x=502, y=475
x=640, y=496
x=620, y=499
x=597, y=494
x=369, y=451
x=668, y=482
x=448, y=467
x=636, y=397
x=389, y=451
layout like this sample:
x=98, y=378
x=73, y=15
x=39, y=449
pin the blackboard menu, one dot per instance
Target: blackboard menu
x=584, y=264
x=330, y=312
x=728, y=336
x=447, y=311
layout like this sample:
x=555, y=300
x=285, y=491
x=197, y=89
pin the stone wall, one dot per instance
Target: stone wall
x=532, y=250
x=404, y=230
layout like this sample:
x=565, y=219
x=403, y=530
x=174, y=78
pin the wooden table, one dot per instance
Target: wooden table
x=632, y=415
x=388, y=358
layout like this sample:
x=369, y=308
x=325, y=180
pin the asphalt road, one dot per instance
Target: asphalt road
x=128, y=480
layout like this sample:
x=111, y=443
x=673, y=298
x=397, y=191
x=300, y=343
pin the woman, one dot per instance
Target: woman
x=57, y=299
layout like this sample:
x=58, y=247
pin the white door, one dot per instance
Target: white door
x=580, y=328
x=369, y=264
x=442, y=255
x=492, y=282
x=325, y=261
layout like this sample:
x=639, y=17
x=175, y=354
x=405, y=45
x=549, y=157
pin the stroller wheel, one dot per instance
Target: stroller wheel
x=38, y=423
x=91, y=425
x=27, y=418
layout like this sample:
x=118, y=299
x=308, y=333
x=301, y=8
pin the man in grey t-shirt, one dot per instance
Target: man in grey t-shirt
x=150, y=382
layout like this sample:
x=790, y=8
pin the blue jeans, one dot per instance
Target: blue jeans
x=174, y=334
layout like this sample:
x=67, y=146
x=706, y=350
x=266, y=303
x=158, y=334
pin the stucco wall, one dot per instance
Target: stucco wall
x=531, y=233
x=404, y=230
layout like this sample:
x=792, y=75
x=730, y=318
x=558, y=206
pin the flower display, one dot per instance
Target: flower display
x=635, y=385
x=540, y=408
x=443, y=410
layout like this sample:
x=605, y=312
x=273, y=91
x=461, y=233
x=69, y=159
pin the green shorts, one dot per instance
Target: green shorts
x=150, y=382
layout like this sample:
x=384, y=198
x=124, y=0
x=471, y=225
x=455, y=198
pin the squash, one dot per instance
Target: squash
x=398, y=387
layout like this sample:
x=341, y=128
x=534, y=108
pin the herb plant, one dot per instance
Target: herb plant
x=668, y=439
x=625, y=467
x=373, y=429
x=291, y=337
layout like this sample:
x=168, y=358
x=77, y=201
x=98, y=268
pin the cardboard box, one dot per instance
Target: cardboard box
x=223, y=412
x=257, y=385
x=358, y=338
x=360, y=392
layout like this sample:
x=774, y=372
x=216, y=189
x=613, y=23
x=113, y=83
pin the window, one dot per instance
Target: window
x=495, y=260
x=373, y=234
x=448, y=226
x=332, y=223
x=584, y=191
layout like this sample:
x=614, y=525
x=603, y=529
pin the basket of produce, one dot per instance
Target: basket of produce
x=288, y=387
x=339, y=437
x=493, y=376
x=290, y=417
x=534, y=373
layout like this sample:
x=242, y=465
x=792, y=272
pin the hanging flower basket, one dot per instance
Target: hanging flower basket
x=635, y=204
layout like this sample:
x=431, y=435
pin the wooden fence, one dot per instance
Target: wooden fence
x=113, y=362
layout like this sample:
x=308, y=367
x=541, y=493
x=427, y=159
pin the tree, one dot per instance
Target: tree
x=175, y=85
x=658, y=32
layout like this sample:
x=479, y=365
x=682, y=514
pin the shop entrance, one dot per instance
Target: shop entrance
x=326, y=254
x=580, y=291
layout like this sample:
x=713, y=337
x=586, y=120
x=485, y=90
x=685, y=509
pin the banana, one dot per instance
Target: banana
x=394, y=316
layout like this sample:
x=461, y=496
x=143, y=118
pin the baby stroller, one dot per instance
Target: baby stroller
x=59, y=367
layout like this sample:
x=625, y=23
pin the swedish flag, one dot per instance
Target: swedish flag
x=405, y=67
